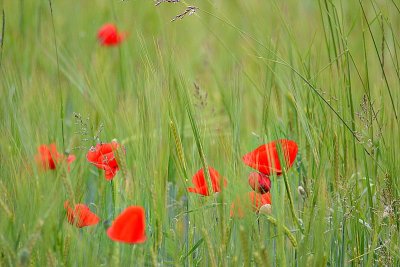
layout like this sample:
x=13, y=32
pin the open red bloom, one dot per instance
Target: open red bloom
x=81, y=215
x=48, y=157
x=102, y=156
x=200, y=184
x=108, y=35
x=256, y=203
x=129, y=226
x=265, y=158
x=259, y=182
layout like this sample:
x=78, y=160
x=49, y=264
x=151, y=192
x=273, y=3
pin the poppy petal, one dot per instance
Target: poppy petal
x=129, y=226
x=110, y=173
x=81, y=215
x=199, y=190
x=253, y=201
x=93, y=154
x=71, y=158
x=192, y=189
x=199, y=181
x=102, y=156
x=48, y=157
x=108, y=35
x=259, y=200
x=265, y=158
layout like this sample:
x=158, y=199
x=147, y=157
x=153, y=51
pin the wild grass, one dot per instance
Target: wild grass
x=201, y=91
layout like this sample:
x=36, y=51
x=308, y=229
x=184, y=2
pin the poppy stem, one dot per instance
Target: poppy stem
x=113, y=198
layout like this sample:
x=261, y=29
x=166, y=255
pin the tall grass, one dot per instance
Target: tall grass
x=202, y=91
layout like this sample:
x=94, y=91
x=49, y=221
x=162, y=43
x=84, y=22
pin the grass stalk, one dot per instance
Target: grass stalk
x=58, y=77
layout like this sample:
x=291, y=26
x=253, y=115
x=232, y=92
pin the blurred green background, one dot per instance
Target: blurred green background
x=219, y=83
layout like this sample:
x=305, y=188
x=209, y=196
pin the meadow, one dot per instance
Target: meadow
x=193, y=84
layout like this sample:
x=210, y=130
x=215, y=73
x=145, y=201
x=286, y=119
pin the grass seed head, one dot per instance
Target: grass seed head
x=190, y=10
x=166, y=1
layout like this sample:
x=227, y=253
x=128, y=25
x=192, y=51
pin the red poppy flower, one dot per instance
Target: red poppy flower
x=81, y=215
x=259, y=200
x=200, y=184
x=108, y=35
x=48, y=157
x=259, y=182
x=258, y=203
x=102, y=156
x=265, y=158
x=129, y=226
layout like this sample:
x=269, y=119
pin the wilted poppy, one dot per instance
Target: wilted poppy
x=265, y=158
x=129, y=226
x=102, y=156
x=81, y=215
x=200, y=184
x=254, y=201
x=48, y=157
x=259, y=182
x=108, y=35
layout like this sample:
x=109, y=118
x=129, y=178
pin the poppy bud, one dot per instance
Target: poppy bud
x=259, y=182
x=266, y=209
x=301, y=191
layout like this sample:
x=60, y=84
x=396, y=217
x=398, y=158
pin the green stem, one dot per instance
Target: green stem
x=285, y=230
x=113, y=197
x=58, y=77
x=296, y=219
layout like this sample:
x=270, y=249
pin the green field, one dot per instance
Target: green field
x=199, y=91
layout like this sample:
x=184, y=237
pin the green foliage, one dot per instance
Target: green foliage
x=202, y=91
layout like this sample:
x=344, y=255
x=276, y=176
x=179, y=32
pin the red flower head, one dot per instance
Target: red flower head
x=129, y=226
x=102, y=156
x=265, y=158
x=258, y=203
x=259, y=200
x=259, y=182
x=200, y=184
x=48, y=157
x=81, y=216
x=108, y=35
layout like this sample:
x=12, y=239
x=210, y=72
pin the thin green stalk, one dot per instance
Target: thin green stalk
x=380, y=62
x=113, y=197
x=286, y=230
x=210, y=248
x=183, y=165
x=58, y=78
x=292, y=210
x=3, y=29
x=197, y=139
x=121, y=69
